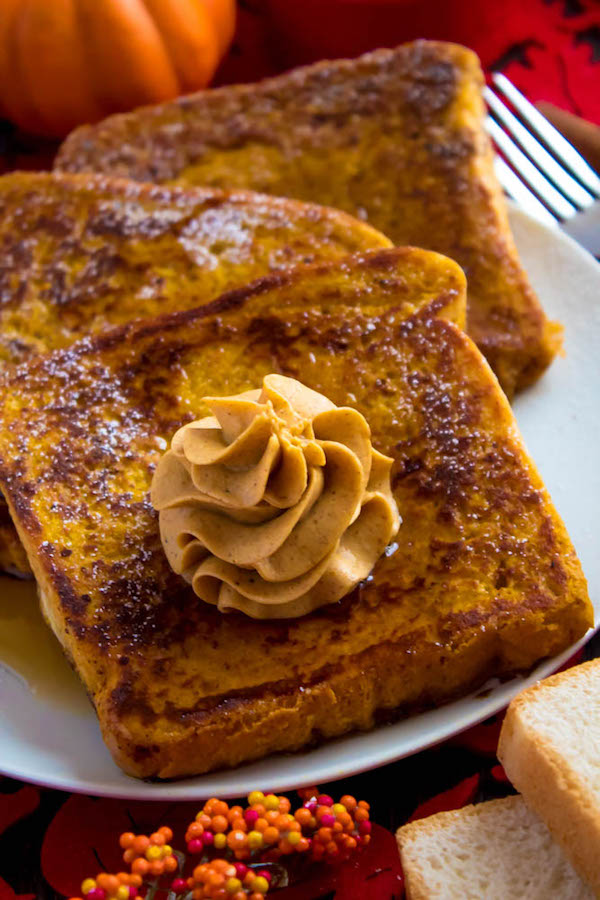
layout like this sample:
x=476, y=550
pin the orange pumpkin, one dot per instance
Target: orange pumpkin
x=65, y=62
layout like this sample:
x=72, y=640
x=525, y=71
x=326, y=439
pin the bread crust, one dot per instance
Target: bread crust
x=482, y=579
x=395, y=135
x=551, y=786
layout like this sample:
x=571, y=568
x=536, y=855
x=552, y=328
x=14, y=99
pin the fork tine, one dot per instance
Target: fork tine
x=570, y=188
x=528, y=171
x=519, y=192
x=560, y=145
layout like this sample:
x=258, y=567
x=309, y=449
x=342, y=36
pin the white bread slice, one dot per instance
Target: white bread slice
x=550, y=748
x=493, y=851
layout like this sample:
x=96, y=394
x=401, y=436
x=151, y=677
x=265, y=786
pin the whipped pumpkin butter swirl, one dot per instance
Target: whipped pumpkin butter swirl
x=275, y=504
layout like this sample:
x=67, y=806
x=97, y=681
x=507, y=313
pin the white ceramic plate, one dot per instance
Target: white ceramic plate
x=48, y=731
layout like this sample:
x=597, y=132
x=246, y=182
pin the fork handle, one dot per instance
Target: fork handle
x=585, y=136
x=585, y=228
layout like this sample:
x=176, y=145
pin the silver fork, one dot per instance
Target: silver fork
x=549, y=178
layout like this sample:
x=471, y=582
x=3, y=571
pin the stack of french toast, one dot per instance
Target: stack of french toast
x=341, y=225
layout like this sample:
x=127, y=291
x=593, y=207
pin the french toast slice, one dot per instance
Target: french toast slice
x=482, y=579
x=80, y=253
x=395, y=136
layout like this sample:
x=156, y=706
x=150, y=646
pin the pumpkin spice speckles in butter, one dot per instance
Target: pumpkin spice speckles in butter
x=277, y=503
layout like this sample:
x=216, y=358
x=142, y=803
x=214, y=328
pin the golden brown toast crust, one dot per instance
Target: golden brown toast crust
x=81, y=253
x=483, y=579
x=395, y=136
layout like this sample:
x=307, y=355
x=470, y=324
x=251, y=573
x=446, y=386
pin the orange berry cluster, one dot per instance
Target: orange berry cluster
x=337, y=828
x=261, y=833
x=122, y=886
x=265, y=825
x=267, y=829
x=223, y=880
x=149, y=856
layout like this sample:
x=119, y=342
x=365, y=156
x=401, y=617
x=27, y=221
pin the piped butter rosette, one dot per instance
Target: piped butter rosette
x=277, y=503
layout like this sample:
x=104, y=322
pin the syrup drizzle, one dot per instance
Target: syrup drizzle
x=29, y=650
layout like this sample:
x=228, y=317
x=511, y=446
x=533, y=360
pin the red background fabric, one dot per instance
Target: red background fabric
x=549, y=48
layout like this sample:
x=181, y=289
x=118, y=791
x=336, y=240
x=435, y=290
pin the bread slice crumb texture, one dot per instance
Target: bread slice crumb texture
x=498, y=850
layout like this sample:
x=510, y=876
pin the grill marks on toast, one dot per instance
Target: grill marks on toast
x=173, y=693
x=395, y=136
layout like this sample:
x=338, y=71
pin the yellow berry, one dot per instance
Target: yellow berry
x=271, y=802
x=294, y=837
x=220, y=841
x=153, y=853
x=123, y=892
x=88, y=885
x=232, y=885
x=167, y=850
x=338, y=808
x=260, y=885
x=255, y=840
x=255, y=797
